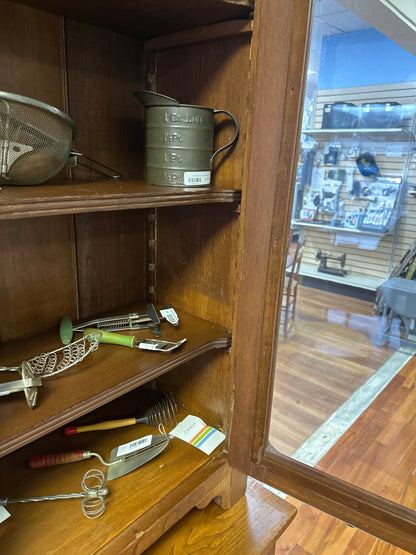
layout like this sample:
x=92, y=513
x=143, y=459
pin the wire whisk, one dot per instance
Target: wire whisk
x=93, y=495
x=163, y=412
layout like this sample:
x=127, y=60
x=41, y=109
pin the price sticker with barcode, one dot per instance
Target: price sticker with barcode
x=197, y=178
x=135, y=445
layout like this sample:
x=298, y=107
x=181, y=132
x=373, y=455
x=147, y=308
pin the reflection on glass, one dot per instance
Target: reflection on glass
x=347, y=330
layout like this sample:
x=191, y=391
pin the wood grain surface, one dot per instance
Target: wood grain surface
x=100, y=378
x=330, y=353
x=250, y=527
x=139, y=507
x=376, y=453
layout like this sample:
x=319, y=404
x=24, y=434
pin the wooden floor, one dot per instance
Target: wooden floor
x=331, y=353
x=378, y=454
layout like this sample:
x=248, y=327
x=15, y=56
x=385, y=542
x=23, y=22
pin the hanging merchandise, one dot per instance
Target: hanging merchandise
x=330, y=197
x=353, y=219
x=309, y=210
x=308, y=160
x=36, y=142
x=332, y=156
x=381, y=212
x=356, y=189
x=366, y=164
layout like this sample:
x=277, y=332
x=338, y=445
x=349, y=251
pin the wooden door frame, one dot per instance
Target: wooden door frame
x=279, y=55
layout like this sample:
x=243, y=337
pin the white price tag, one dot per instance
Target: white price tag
x=134, y=445
x=170, y=315
x=197, y=178
x=193, y=430
x=4, y=514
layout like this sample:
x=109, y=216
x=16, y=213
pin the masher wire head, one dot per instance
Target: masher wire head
x=163, y=412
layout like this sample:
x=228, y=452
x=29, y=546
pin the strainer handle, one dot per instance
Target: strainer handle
x=237, y=131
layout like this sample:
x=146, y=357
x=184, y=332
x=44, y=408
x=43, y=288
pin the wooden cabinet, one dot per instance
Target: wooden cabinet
x=79, y=245
x=82, y=245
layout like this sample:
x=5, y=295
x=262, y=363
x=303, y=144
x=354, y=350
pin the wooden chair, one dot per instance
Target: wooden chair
x=290, y=288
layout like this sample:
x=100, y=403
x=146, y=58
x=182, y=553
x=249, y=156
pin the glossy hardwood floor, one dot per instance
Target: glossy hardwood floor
x=329, y=352
x=378, y=454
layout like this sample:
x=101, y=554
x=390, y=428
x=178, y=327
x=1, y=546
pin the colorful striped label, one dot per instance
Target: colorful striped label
x=202, y=436
x=194, y=431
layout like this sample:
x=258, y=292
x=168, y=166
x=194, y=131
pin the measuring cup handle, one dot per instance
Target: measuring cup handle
x=237, y=130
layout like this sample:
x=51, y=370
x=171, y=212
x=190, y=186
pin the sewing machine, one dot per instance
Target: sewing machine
x=323, y=264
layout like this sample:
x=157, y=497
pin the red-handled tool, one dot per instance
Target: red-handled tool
x=60, y=458
x=123, y=459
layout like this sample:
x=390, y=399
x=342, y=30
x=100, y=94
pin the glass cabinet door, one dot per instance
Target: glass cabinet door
x=331, y=264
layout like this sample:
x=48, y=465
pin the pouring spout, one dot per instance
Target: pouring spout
x=148, y=98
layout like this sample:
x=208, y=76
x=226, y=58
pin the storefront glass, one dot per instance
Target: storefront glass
x=344, y=334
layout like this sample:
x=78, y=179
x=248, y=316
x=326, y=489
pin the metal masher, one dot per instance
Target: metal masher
x=93, y=493
x=133, y=321
x=46, y=365
x=163, y=412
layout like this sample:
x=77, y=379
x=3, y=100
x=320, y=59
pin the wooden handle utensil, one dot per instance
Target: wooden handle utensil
x=41, y=461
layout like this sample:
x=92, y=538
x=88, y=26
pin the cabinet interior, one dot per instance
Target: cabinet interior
x=82, y=245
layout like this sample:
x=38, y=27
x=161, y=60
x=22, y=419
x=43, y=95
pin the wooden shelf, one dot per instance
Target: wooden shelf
x=136, y=501
x=102, y=376
x=146, y=18
x=384, y=134
x=67, y=197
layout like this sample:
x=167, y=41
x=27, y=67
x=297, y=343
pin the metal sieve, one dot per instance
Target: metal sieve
x=35, y=140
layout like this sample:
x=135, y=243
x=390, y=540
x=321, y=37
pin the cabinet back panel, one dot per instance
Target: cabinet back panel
x=195, y=266
x=37, y=285
x=195, y=384
x=111, y=259
x=104, y=68
x=213, y=74
x=31, y=54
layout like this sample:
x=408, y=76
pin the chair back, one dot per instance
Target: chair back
x=297, y=259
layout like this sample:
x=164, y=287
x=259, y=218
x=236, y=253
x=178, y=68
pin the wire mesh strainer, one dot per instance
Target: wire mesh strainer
x=35, y=140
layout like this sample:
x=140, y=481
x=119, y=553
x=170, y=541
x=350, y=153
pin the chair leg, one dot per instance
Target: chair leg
x=295, y=294
x=287, y=313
